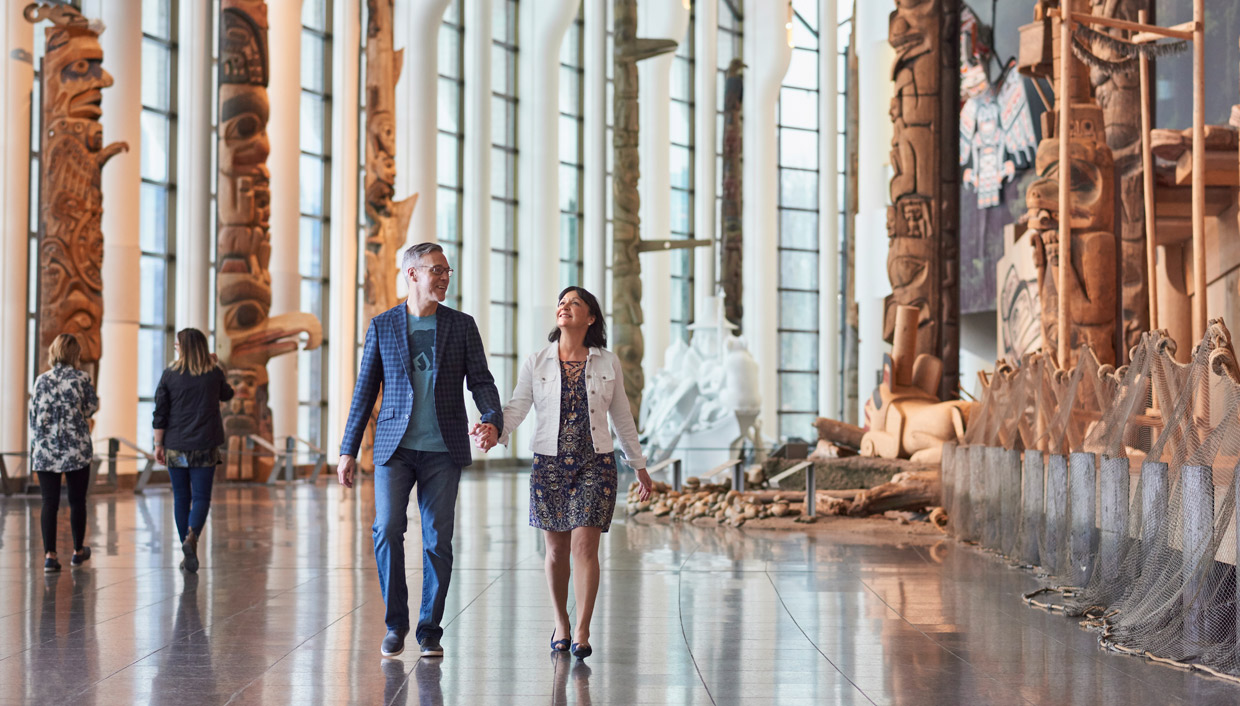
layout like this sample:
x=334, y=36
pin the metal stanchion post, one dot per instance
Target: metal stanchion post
x=290, y=449
x=811, y=494
x=676, y=475
x=114, y=448
x=738, y=476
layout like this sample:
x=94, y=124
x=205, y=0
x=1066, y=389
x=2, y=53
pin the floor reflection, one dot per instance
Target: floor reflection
x=286, y=610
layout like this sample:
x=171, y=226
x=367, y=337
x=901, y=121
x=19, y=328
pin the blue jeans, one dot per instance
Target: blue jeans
x=191, y=497
x=437, y=477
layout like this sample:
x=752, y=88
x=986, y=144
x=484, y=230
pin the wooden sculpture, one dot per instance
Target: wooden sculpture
x=921, y=222
x=387, y=220
x=731, y=206
x=70, y=182
x=1091, y=277
x=905, y=418
x=1118, y=93
x=626, y=228
x=246, y=335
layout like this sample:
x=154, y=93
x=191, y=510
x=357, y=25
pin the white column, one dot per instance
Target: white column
x=875, y=90
x=284, y=131
x=705, y=98
x=476, y=176
x=16, y=81
x=122, y=181
x=829, y=373
x=194, y=174
x=342, y=322
x=542, y=26
x=417, y=100
x=767, y=53
x=476, y=171
x=665, y=20
x=595, y=147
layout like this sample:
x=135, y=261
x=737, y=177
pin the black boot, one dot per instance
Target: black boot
x=190, y=549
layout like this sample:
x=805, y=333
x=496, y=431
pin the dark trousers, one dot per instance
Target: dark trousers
x=49, y=486
x=191, y=497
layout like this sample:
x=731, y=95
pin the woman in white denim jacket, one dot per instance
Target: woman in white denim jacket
x=573, y=384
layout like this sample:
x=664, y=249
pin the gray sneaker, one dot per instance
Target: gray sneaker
x=430, y=647
x=394, y=642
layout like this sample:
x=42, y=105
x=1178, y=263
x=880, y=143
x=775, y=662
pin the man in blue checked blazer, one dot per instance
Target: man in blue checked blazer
x=420, y=353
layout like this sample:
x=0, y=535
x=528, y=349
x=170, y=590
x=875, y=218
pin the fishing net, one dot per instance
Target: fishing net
x=1120, y=487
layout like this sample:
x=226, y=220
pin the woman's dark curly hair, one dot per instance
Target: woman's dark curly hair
x=596, y=335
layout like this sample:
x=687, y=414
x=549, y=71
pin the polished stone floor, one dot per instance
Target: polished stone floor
x=286, y=610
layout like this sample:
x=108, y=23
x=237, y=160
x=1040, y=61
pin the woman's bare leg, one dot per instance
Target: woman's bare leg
x=585, y=578
x=558, y=568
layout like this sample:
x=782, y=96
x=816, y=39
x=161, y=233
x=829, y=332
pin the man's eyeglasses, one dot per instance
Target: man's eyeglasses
x=437, y=270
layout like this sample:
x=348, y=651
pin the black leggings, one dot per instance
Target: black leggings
x=49, y=485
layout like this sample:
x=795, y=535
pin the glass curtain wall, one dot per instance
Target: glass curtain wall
x=157, y=235
x=572, y=174
x=681, y=162
x=504, y=194
x=362, y=323
x=314, y=174
x=730, y=46
x=451, y=144
x=798, y=227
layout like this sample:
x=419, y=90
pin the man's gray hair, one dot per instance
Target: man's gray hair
x=414, y=254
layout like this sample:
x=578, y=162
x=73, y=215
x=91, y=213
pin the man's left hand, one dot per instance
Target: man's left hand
x=485, y=436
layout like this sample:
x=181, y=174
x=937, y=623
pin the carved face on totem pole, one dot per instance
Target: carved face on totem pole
x=1091, y=279
x=71, y=205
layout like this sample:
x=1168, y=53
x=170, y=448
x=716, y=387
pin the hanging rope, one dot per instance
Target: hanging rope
x=1087, y=36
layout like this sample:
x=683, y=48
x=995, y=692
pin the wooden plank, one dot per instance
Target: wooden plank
x=1220, y=169
x=1180, y=31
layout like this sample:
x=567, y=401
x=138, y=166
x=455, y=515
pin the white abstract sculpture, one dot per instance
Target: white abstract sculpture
x=703, y=404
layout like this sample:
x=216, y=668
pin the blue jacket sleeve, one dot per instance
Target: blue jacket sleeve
x=479, y=379
x=365, y=392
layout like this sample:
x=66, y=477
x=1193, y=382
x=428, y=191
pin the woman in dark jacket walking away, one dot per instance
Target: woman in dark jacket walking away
x=63, y=400
x=188, y=434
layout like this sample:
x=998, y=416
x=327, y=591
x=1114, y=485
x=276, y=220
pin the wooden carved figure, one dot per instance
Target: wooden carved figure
x=246, y=335
x=1092, y=278
x=904, y=417
x=387, y=220
x=626, y=229
x=922, y=260
x=1119, y=95
x=731, y=206
x=70, y=178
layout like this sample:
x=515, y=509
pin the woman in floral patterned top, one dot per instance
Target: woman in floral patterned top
x=187, y=419
x=574, y=384
x=63, y=400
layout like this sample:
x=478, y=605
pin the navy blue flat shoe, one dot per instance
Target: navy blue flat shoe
x=581, y=651
x=560, y=645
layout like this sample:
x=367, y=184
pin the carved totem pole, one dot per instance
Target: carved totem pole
x=1092, y=280
x=626, y=285
x=246, y=335
x=731, y=206
x=1119, y=94
x=386, y=219
x=923, y=254
x=70, y=178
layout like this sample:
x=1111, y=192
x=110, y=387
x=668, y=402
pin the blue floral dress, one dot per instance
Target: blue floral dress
x=576, y=487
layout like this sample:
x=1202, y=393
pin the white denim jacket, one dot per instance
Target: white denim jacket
x=538, y=384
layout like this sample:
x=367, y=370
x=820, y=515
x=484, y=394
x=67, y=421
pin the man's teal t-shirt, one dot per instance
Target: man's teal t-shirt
x=422, y=433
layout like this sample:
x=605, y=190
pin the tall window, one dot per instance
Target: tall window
x=609, y=158
x=681, y=131
x=572, y=74
x=504, y=193
x=314, y=172
x=157, y=232
x=798, y=227
x=451, y=143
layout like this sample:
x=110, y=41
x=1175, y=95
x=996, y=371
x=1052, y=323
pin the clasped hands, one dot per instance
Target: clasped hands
x=484, y=435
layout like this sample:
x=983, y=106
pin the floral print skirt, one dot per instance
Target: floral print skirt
x=570, y=491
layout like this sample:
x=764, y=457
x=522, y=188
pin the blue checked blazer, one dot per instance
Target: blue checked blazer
x=385, y=361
